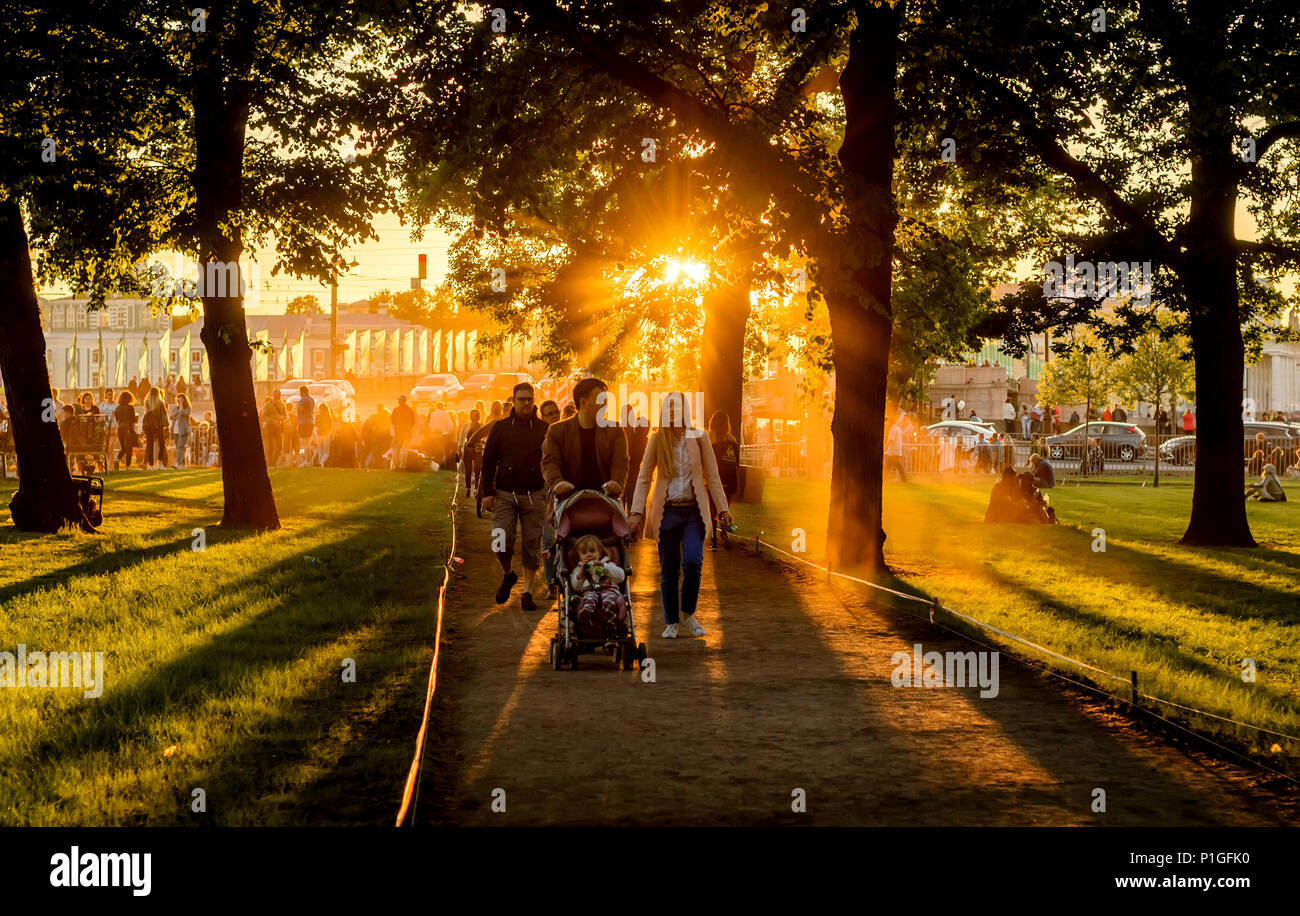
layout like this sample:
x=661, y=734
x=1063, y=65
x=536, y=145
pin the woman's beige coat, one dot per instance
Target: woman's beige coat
x=704, y=471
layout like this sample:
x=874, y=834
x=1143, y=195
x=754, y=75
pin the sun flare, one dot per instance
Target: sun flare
x=685, y=271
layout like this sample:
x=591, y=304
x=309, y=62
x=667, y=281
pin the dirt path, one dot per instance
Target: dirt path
x=789, y=690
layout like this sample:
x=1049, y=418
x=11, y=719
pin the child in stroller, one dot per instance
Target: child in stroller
x=595, y=611
x=601, y=610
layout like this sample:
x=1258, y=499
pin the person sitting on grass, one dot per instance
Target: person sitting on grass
x=1016, y=500
x=1004, y=500
x=596, y=577
x=1269, y=489
x=1044, y=473
x=1037, y=511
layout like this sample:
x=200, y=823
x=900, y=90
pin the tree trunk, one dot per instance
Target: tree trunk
x=1218, y=510
x=46, y=500
x=219, y=127
x=1156, y=481
x=858, y=295
x=722, y=365
x=1210, y=277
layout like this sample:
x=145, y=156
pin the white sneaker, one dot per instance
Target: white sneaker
x=670, y=631
x=693, y=626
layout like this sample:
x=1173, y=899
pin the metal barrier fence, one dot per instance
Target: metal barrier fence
x=782, y=459
x=1066, y=460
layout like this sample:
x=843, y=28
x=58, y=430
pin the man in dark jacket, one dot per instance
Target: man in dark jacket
x=516, y=492
x=587, y=451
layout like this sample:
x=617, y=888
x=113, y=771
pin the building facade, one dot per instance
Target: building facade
x=126, y=340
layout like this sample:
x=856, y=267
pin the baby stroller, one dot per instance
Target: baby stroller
x=591, y=512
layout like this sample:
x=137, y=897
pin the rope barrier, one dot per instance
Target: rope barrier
x=758, y=543
x=410, y=794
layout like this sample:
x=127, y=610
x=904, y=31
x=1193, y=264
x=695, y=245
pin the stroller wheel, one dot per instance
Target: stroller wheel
x=573, y=658
x=640, y=654
x=627, y=655
x=556, y=657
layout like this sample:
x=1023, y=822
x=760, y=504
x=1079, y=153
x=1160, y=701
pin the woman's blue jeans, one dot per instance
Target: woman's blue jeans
x=681, y=552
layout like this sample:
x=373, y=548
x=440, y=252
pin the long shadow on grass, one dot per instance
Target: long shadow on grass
x=1178, y=583
x=1257, y=559
x=276, y=637
x=117, y=560
x=1107, y=628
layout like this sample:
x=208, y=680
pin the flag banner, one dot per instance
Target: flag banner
x=408, y=350
x=434, y=352
x=142, y=368
x=363, y=353
x=261, y=360
x=423, y=361
x=205, y=375
x=119, y=362
x=300, y=354
x=74, y=380
x=282, y=359
x=377, y=347
x=186, y=366
x=101, y=370
x=350, y=352
x=165, y=352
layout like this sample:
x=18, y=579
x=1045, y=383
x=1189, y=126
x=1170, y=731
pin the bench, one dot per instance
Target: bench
x=85, y=436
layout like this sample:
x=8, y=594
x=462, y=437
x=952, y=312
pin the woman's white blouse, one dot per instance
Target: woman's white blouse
x=680, y=486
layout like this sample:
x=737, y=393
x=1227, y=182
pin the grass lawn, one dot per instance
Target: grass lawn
x=1184, y=618
x=223, y=667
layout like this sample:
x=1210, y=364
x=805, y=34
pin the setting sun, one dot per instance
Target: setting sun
x=692, y=272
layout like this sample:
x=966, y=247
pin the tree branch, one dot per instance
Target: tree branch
x=1287, y=252
x=755, y=156
x=1056, y=156
x=1285, y=131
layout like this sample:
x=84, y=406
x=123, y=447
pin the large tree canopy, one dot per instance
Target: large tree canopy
x=1167, y=119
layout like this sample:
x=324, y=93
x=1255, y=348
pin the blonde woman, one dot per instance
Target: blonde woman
x=181, y=429
x=676, y=512
x=324, y=428
x=153, y=423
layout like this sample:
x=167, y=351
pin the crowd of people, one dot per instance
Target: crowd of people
x=307, y=434
x=154, y=421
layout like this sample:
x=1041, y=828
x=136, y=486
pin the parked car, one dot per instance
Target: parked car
x=967, y=432
x=476, y=385
x=442, y=386
x=290, y=388
x=341, y=405
x=1118, y=440
x=1179, y=450
x=1276, y=435
x=503, y=384
x=343, y=385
